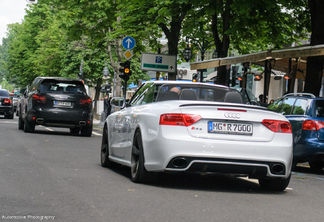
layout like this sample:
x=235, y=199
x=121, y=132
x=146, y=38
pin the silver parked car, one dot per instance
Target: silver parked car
x=172, y=126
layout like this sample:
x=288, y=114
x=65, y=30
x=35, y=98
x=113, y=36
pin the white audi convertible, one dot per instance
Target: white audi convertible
x=172, y=126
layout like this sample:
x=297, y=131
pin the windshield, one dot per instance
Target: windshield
x=4, y=93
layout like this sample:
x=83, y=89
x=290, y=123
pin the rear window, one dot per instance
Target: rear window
x=4, y=93
x=56, y=86
x=319, y=106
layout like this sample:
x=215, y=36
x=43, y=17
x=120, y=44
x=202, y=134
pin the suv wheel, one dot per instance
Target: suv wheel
x=86, y=131
x=28, y=126
x=20, y=123
x=316, y=166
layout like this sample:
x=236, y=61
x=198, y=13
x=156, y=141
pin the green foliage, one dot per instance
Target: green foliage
x=6, y=85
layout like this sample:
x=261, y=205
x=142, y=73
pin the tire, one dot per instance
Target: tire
x=28, y=126
x=11, y=116
x=20, y=123
x=104, y=157
x=17, y=113
x=75, y=130
x=86, y=131
x=138, y=172
x=274, y=184
x=316, y=166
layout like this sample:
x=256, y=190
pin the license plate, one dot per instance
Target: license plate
x=230, y=128
x=61, y=103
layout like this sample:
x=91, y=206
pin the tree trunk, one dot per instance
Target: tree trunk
x=314, y=75
x=222, y=44
x=315, y=64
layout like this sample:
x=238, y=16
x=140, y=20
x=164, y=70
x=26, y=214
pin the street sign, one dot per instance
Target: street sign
x=158, y=62
x=128, y=54
x=129, y=42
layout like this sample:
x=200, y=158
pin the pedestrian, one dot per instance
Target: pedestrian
x=107, y=106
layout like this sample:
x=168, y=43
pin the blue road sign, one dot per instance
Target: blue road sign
x=129, y=42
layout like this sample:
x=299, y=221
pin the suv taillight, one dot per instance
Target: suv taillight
x=312, y=125
x=7, y=101
x=178, y=119
x=277, y=126
x=38, y=98
x=85, y=101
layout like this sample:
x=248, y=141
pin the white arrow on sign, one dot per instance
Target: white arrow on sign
x=128, y=42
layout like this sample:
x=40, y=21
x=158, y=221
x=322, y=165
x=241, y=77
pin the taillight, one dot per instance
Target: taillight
x=85, y=101
x=277, y=126
x=38, y=98
x=312, y=125
x=177, y=119
x=7, y=101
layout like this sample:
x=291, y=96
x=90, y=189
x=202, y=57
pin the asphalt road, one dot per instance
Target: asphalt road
x=54, y=174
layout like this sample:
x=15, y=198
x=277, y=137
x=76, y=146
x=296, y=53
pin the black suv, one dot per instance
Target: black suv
x=56, y=102
x=306, y=115
x=6, y=105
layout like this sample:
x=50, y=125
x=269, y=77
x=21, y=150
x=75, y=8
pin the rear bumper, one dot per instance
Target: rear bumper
x=5, y=110
x=310, y=149
x=254, y=159
x=61, y=118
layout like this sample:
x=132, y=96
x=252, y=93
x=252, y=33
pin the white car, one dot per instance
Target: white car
x=172, y=126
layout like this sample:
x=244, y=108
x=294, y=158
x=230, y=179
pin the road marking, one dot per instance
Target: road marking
x=9, y=122
x=97, y=134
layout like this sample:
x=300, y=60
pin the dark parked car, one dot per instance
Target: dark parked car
x=6, y=105
x=306, y=115
x=56, y=102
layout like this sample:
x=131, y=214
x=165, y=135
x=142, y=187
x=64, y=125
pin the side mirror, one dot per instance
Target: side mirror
x=118, y=102
x=22, y=91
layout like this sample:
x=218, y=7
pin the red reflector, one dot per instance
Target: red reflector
x=232, y=110
x=34, y=117
x=312, y=125
x=177, y=119
x=85, y=101
x=277, y=126
x=88, y=121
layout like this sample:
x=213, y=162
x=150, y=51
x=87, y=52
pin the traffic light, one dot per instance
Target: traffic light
x=125, y=68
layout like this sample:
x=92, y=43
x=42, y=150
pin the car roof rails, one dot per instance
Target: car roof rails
x=300, y=94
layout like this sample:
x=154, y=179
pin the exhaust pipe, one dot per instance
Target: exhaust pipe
x=40, y=121
x=277, y=168
x=82, y=123
x=180, y=162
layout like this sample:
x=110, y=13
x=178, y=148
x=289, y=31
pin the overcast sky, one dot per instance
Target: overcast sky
x=11, y=11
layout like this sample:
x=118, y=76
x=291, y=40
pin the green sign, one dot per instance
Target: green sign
x=155, y=66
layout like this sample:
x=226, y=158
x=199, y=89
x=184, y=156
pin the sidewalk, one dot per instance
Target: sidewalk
x=97, y=124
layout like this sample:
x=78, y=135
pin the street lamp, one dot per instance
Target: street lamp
x=105, y=72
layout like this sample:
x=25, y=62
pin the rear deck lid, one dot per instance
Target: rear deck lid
x=226, y=121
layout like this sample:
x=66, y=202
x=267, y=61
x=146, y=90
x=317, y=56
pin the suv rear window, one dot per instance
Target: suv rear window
x=319, y=108
x=4, y=93
x=56, y=86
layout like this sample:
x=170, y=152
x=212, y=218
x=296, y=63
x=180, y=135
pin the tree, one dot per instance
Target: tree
x=315, y=66
x=146, y=16
x=252, y=25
